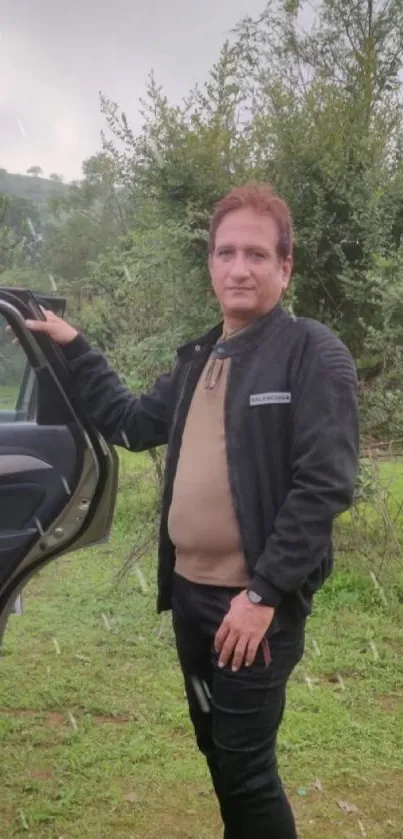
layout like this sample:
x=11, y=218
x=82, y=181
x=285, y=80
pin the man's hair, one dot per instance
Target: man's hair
x=262, y=199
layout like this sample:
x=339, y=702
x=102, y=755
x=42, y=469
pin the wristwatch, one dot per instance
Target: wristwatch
x=253, y=596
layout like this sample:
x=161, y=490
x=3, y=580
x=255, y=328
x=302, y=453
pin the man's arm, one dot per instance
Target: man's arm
x=123, y=419
x=137, y=422
x=324, y=461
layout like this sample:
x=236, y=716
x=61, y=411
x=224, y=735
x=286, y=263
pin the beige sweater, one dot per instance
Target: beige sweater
x=202, y=522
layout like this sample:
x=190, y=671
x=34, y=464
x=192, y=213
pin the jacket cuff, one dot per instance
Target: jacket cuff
x=271, y=596
x=78, y=346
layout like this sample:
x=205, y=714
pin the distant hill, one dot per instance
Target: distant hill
x=34, y=189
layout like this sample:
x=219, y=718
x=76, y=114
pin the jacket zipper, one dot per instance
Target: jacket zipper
x=172, y=453
x=181, y=396
x=232, y=474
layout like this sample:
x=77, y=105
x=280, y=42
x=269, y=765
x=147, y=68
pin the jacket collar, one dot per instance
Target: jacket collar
x=236, y=344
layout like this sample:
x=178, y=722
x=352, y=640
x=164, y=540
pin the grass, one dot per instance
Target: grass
x=94, y=734
x=9, y=397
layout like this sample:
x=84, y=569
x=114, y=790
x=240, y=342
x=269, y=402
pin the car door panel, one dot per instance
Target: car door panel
x=19, y=503
x=58, y=478
x=40, y=467
x=15, y=464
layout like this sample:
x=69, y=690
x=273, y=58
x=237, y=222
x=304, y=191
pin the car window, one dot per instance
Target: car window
x=16, y=379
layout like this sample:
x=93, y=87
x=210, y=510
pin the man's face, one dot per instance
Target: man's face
x=247, y=275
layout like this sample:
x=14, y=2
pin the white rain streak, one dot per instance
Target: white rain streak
x=31, y=227
x=125, y=439
x=66, y=486
x=375, y=652
x=340, y=681
x=362, y=828
x=128, y=274
x=21, y=127
x=72, y=720
x=378, y=588
x=106, y=622
x=162, y=625
x=308, y=681
x=141, y=579
x=316, y=647
x=56, y=646
x=24, y=820
x=156, y=154
x=84, y=658
x=17, y=608
x=39, y=527
x=52, y=282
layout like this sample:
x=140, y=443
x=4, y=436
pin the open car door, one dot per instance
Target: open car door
x=58, y=478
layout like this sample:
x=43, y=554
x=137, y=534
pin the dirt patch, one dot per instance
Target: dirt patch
x=42, y=775
x=56, y=719
x=99, y=719
x=391, y=702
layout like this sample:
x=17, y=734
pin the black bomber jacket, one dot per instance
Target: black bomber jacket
x=291, y=422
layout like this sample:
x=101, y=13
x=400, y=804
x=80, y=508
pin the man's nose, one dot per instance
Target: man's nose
x=239, y=267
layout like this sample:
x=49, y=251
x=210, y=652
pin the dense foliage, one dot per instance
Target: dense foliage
x=318, y=113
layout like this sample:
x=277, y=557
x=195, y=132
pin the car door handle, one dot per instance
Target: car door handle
x=14, y=464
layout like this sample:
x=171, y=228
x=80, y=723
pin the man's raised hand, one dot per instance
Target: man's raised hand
x=56, y=328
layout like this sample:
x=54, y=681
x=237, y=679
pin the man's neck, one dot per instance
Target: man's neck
x=231, y=331
x=231, y=326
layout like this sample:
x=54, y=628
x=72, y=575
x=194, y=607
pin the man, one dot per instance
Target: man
x=260, y=417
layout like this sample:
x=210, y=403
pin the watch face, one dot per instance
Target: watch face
x=254, y=597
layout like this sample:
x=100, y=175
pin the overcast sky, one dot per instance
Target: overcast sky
x=55, y=57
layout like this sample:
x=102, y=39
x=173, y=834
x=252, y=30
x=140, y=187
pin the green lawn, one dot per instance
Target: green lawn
x=95, y=738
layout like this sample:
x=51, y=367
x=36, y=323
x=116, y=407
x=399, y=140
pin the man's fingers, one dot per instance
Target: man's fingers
x=251, y=652
x=241, y=649
x=45, y=326
x=227, y=649
x=239, y=653
x=49, y=315
x=221, y=635
x=37, y=325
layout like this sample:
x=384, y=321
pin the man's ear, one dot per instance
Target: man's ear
x=209, y=263
x=287, y=271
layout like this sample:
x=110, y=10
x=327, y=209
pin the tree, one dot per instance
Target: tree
x=20, y=232
x=9, y=241
x=35, y=171
x=86, y=219
x=326, y=119
x=319, y=115
x=145, y=295
x=20, y=244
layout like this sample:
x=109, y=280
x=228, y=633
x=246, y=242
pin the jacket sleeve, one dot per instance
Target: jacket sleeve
x=324, y=465
x=136, y=422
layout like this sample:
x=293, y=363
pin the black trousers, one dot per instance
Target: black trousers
x=236, y=716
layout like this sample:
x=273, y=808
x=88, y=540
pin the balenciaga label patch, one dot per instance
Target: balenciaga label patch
x=270, y=398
